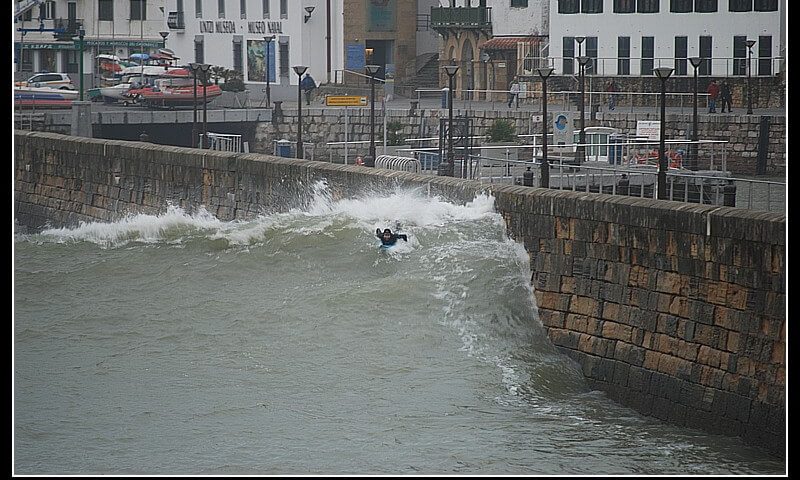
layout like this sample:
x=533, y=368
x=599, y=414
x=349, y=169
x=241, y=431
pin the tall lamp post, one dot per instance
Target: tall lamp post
x=194, y=67
x=447, y=167
x=663, y=74
x=267, y=41
x=164, y=36
x=81, y=34
x=581, y=150
x=749, y=44
x=372, y=70
x=544, y=178
x=299, y=70
x=695, y=61
x=204, y=68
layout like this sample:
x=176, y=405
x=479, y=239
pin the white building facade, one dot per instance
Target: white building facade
x=231, y=34
x=631, y=37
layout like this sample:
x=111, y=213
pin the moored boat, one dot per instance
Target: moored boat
x=43, y=97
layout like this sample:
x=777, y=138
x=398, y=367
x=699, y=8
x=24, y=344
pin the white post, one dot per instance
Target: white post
x=345, y=135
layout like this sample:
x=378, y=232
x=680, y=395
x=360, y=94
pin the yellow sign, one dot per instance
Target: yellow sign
x=345, y=101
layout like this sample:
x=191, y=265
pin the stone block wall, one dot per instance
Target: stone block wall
x=676, y=310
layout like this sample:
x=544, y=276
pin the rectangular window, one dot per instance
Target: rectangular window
x=623, y=55
x=284, y=11
x=221, y=8
x=648, y=51
x=624, y=6
x=519, y=3
x=283, y=51
x=238, y=63
x=681, y=51
x=680, y=6
x=591, y=6
x=47, y=10
x=105, y=10
x=568, y=6
x=72, y=12
x=647, y=6
x=265, y=8
x=242, y=8
x=705, y=6
x=591, y=52
x=138, y=10
x=70, y=59
x=199, y=53
x=765, y=55
x=198, y=8
x=766, y=5
x=27, y=59
x=740, y=5
x=568, y=47
x=705, y=54
x=739, y=55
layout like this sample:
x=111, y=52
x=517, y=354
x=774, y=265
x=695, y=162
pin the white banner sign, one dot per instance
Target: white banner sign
x=648, y=128
x=562, y=128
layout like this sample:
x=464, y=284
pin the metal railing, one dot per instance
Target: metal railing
x=339, y=76
x=713, y=66
x=461, y=17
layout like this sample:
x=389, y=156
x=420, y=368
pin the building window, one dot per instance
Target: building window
x=705, y=54
x=739, y=55
x=27, y=60
x=705, y=6
x=680, y=6
x=681, y=51
x=648, y=52
x=199, y=53
x=624, y=6
x=591, y=6
x=238, y=63
x=221, y=8
x=623, y=55
x=647, y=6
x=568, y=6
x=519, y=3
x=265, y=8
x=138, y=10
x=765, y=55
x=242, y=8
x=70, y=59
x=766, y=5
x=283, y=51
x=198, y=8
x=591, y=52
x=740, y=5
x=284, y=11
x=105, y=10
x=47, y=10
x=568, y=47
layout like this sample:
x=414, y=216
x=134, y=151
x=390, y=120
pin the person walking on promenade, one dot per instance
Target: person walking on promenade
x=513, y=93
x=725, y=96
x=713, y=93
x=308, y=85
x=610, y=89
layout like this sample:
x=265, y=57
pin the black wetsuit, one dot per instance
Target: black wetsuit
x=392, y=240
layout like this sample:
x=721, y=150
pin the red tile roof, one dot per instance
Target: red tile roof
x=507, y=43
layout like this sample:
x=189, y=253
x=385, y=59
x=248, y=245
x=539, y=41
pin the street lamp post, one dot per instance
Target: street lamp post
x=299, y=70
x=544, y=178
x=81, y=34
x=204, y=68
x=267, y=41
x=663, y=74
x=581, y=150
x=372, y=70
x=447, y=167
x=194, y=67
x=164, y=36
x=749, y=44
x=695, y=61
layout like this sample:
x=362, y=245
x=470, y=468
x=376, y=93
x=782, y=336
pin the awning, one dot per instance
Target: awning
x=507, y=43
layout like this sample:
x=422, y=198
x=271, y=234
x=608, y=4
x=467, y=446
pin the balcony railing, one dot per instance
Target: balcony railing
x=175, y=21
x=66, y=28
x=461, y=17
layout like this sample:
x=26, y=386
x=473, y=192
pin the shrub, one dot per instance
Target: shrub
x=502, y=130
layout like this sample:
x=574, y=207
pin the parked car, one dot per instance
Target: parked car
x=51, y=80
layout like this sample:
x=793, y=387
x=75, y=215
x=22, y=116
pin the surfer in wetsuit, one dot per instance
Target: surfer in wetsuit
x=388, y=238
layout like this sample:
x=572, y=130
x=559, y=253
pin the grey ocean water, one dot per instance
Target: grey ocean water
x=181, y=344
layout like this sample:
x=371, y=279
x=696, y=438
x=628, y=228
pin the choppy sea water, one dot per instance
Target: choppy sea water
x=180, y=344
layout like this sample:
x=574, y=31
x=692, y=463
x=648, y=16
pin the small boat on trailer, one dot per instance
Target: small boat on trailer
x=43, y=97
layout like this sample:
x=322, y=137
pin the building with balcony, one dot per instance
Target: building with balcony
x=45, y=33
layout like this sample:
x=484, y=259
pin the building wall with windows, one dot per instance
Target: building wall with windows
x=631, y=37
x=231, y=34
x=118, y=27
